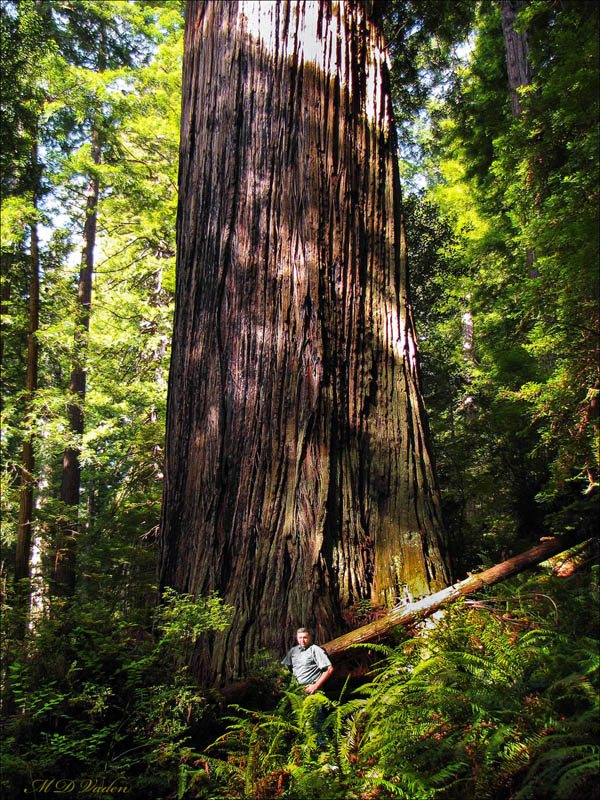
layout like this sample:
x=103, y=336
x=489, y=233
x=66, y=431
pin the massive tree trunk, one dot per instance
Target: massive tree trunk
x=298, y=479
x=65, y=550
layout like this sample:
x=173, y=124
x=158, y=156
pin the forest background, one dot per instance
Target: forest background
x=500, y=185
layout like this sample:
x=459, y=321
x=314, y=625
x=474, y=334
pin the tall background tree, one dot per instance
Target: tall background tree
x=298, y=477
x=516, y=426
x=25, y=54
x=80, y=77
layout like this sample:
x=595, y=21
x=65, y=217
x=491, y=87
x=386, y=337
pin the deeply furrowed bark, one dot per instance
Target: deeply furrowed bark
x=298, y=478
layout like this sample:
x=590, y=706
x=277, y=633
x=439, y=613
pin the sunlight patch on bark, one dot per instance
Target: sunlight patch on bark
x=305, y=35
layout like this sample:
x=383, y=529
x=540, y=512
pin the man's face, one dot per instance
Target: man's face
x=303, y=638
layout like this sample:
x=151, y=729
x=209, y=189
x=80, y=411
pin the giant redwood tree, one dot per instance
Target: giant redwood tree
x=298, y=479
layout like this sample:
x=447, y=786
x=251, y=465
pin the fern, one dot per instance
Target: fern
x=494, y=702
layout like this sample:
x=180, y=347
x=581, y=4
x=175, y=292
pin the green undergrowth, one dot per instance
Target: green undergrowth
x=498, y=700
x=92, y=699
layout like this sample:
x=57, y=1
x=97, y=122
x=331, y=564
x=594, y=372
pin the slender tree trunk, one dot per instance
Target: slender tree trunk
x=65, y=554
x=519, y=74
x=298, y=476
x=25, y=523
x=517, y=50
x=5, y=295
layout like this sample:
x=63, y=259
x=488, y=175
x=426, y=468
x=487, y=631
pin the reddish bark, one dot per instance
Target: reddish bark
x=298, y=478
x=517, y=50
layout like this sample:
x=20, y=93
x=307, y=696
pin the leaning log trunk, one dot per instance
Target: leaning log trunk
x=414, y=612
x=298, y=478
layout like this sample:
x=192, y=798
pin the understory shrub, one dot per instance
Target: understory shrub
x=498, y=701
x=90, y=698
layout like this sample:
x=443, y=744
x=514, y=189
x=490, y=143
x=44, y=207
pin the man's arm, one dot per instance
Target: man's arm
x=311, y=688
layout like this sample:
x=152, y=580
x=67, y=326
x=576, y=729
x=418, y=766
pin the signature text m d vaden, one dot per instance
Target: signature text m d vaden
x=81, y=786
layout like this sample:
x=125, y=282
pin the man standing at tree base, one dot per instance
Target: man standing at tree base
x=309, y=663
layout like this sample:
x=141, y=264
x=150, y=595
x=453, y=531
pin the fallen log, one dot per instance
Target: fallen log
x=412, y=612
x=566, y=564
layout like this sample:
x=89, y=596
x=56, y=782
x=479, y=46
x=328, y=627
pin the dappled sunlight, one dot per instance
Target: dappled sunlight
x=295, y=417
x=312, y=34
